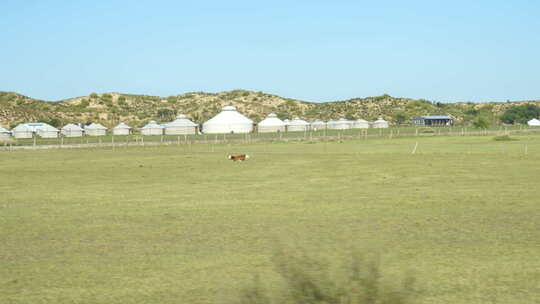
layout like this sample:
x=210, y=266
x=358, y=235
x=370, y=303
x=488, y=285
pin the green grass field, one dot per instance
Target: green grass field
x=179, y=224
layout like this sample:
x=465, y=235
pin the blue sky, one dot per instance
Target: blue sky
x=310, y=50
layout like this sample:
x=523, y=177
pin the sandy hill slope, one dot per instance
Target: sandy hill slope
x=111, y=108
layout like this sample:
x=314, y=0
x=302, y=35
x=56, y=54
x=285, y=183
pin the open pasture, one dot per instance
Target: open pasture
x=182, y=224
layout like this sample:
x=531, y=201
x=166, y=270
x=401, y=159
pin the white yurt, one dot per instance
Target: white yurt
x=271, y=124
x=360, y=124
x=181, y=125
x=298, y=124
x=318, y=125
x=534, y=122
x=341, y=124
x=47, y=131
x=121, y=129
x=228, y=121
x=27, y=130
x=95, y=129
x=4, y=134
x=72, y=130
x=380, y=123
x=152, y=128
x=23, y=131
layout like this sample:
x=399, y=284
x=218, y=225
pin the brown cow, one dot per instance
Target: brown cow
x=241, y=157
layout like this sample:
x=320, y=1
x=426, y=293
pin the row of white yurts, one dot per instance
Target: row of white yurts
x=229, y=120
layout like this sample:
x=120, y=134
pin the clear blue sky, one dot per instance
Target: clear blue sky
x=312, y=50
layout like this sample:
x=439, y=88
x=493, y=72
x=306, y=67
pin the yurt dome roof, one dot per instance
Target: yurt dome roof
x=72, y=127
x=95, y=126
x=181, y=121
x=34, y=126
x=339, y=121
x=23, y=127
x=229, y=108
x=152, y=124
x=272, y=120
x=298, y=122
x=47, y=127
x=229, y=115
x=122, y=126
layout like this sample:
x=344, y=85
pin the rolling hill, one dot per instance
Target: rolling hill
x=111, y=108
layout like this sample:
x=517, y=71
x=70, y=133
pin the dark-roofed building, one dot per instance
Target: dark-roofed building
x=433, y=120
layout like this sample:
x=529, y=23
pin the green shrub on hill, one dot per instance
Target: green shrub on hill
x=481, y=123
x=520, y=114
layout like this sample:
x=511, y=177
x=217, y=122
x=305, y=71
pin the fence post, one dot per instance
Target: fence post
x=415, y=146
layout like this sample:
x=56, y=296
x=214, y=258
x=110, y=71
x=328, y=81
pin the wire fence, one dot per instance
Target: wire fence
x=113, y=141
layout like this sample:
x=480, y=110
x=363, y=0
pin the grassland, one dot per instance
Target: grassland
x=182, y=224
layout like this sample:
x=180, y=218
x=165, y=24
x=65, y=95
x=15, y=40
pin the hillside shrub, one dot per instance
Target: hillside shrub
x=53, y=122
x=481, y=123
x=520, y=114
x=84, y=103
x=401, y=117
x=308, y=280
x=504, y=138
x=94, y=96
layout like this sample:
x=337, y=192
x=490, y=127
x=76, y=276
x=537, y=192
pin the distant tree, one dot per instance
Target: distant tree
x=84, y=103
x=53, y=122
x=165, y=114
x=520, y=114
x=481, y=122
x=401, y=117
x=94, y=95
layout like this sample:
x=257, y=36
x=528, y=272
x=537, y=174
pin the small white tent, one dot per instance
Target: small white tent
x=360, y=124
x=298, y=124
x=152, y=128
x=22, y=131
x=4, y=134
x=27, y=130
x=95, y=129
x=121, y=129
x=228, y=121
x=72, y=130
x=380, y=123
x=341, y=124
x=318, y=125
x=47, y=131
x=534, y=122
x=271, y=124
x=182, y=125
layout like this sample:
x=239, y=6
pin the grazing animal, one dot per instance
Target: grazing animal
x=241, y=157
